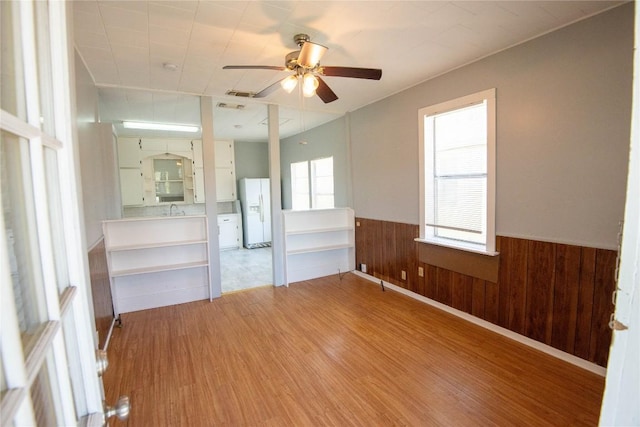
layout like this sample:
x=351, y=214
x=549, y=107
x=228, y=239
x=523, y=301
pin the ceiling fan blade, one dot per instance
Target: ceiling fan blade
x=268, y=90
x=253, y=67
x=324, y=92
x=357, y=73
x=310, y=54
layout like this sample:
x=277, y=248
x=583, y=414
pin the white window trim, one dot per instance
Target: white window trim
x=490, y=96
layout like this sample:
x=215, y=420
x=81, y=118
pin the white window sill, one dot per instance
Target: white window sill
x=447, y=243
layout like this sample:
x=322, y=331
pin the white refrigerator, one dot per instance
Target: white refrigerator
x=256, y=212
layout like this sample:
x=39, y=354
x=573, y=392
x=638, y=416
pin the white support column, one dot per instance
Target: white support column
x=277, y=244
x=211, y=206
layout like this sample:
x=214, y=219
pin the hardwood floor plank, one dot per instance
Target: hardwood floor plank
x=335, y=353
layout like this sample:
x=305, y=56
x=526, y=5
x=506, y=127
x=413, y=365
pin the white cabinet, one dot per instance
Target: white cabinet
x=225, y=171
x=129, y=152
x=130, y=171
x=225, y=185
x=318, y=242
x=196, y=148
x=198, y=172
x=229, y=231
x=131, y=187
x=155, y=262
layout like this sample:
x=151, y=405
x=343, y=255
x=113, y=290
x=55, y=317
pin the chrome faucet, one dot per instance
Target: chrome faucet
x=173, y=205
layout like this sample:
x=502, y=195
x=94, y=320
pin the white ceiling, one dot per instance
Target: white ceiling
x=125, y=44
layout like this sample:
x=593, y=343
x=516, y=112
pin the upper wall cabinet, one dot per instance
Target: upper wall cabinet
x=129, y=152
x=130, y=172
x=145, y=181
x=198, y=172
x=154, y=147
x=225, y=171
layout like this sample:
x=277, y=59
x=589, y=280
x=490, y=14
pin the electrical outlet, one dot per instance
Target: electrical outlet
x=420, y=272
x=404, y=275
x=363, y=268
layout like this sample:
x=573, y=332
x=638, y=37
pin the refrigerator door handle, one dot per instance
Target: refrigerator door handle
x=261, y=209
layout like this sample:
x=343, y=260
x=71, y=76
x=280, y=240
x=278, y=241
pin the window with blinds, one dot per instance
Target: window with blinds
x=458, y=163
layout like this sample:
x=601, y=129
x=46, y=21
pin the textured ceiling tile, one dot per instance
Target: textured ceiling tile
x=217, y=14
x=175, y=37
x=87, y=21
x=170, y=18
x=128, y=37
x=264, y=15
x=129, y=5
x=182, y=4
x=95, y=40
x=161, y=53
x=123, y=18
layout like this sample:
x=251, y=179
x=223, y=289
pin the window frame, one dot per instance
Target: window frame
x=488, y=96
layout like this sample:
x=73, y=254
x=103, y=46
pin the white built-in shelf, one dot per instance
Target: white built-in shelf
x=318, y=230
x=156, y=245
x=319, y=249
x=156, y=269
x=158, y=261
x=318, y=242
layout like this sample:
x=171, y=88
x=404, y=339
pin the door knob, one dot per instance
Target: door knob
x=102, y=362
x=120, y=410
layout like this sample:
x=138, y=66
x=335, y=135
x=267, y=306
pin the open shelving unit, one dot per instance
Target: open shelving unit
x=155, y=262
x=318, y=242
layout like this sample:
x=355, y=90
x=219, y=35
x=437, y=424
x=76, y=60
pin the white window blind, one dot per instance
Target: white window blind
x=457, y=206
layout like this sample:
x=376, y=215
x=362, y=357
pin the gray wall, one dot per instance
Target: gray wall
x=98, y=159
x=563, y=126
x=252, y=159
x=324, y=141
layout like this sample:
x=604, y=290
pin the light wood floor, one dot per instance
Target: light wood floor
x=335, y=353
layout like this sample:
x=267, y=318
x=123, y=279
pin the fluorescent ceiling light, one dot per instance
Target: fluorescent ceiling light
x=160, y=126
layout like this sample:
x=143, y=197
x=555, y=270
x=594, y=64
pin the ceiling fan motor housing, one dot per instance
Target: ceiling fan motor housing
x=291, y=60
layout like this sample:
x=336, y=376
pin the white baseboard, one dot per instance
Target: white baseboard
x=574, y=360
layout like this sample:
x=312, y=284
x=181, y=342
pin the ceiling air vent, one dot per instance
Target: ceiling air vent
x=240, y=93
x=230, y=106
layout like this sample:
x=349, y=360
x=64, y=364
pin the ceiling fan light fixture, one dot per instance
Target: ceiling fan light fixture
x=309, y=85
x=289, y=83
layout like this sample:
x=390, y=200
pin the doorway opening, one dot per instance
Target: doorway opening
x=245, y=223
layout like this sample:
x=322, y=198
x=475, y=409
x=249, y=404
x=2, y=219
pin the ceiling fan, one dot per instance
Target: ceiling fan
x=305, y=63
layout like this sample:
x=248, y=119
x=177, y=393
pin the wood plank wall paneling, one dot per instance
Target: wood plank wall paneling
x=554, y=293
x=100, y=291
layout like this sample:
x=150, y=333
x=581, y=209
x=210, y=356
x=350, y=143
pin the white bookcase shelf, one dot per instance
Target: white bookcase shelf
x=318, y=243
x=154, y=262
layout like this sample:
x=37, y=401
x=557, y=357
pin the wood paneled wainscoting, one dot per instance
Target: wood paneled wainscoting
x=557, y=294
x=100, y=291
